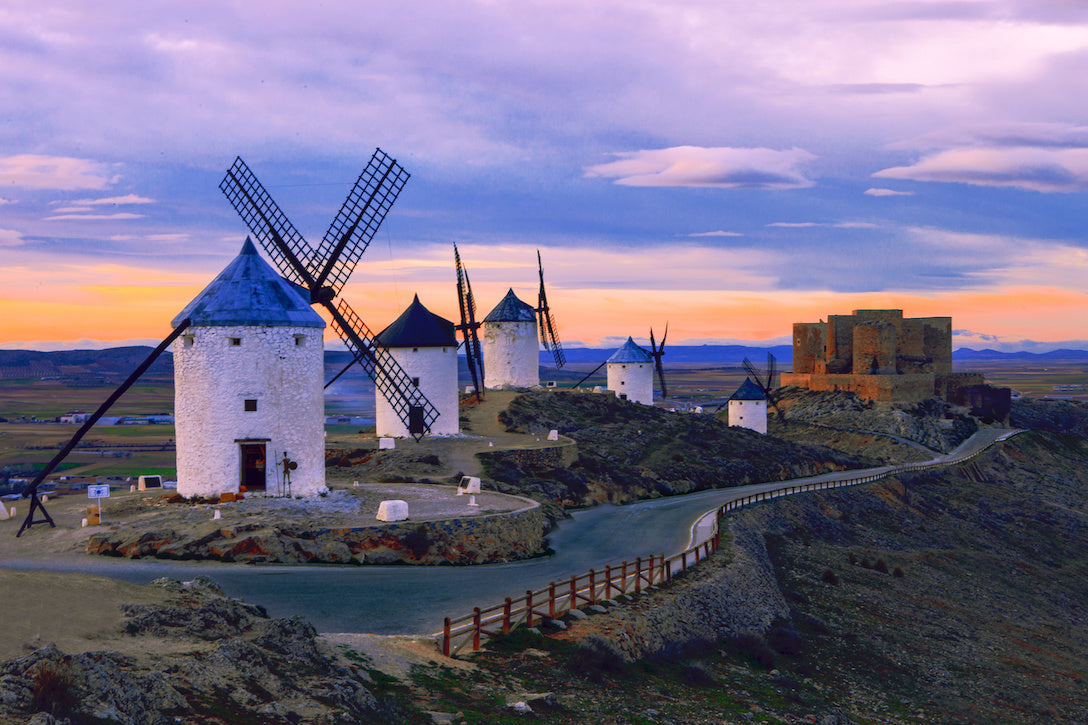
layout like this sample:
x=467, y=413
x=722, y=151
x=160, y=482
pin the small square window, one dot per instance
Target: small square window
x=235, y=341
x=300, y=340
x=187, y=340
x=415, y=382
x=250, y=405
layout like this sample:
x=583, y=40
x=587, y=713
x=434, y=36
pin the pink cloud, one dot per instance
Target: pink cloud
x=720, y=167
x=52, y=172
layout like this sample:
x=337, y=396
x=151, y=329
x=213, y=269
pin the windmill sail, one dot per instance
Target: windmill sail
x=658, y=352
x=325, y=271
x=546, y=323
x=469, y=326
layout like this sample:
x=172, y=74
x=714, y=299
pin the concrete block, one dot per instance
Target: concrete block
x=469, y=484
x=553, y=435
x=394, y=510
x=387, y=444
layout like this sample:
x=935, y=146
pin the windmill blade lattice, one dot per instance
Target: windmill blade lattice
x=289, y=251
x=358, y=220
x=469, y=326
x=324, y=273
x=658, y=352
x=389, y=377
x=546, y=323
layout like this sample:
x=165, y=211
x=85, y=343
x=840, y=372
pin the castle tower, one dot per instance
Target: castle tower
x=248, y=385
x=631, y=373
x=748, y=407
x=424, y=345
x=510, y=349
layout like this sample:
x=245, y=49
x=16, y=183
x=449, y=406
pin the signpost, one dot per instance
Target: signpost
x=99, y=491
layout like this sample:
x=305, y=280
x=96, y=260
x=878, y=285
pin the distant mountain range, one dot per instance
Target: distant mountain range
x=119, y=361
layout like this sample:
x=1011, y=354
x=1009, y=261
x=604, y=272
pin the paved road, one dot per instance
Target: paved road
x=413, y=600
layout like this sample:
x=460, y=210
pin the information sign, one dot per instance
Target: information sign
x=100, y=490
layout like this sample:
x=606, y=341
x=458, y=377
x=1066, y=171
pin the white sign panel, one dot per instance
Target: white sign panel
x=98, y=491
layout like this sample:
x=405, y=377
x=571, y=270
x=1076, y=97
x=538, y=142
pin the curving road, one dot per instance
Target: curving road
x=414, y=600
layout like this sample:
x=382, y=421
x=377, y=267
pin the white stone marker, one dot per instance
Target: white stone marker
x=218, y=515
x=553, y=435
x=393, y=511
x=472, y=501
x=4, y=511
x=469, y=484
x=385, y=444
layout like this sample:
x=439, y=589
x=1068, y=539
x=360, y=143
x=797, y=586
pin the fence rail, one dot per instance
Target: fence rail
x=598, y=584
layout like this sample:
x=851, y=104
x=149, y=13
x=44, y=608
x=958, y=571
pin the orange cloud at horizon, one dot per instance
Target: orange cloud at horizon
x=139, y=311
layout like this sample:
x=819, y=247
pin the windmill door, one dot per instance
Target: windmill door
x=253, y=466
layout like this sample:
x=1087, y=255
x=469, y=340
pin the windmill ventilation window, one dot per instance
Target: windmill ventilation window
x=300, y=340
x=187, y=340
x=250, y=405
x=235, y=341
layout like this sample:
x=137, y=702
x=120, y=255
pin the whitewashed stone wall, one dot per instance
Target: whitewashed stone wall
x=436, y=368
x=511, y=355
x=635, y=380
x=749, y=414
x=279, y=367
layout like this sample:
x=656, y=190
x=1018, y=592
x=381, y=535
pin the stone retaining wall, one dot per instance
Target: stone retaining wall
x=466, y=540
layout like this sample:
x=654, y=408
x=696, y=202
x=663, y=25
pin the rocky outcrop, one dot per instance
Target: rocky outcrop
x=241, y=667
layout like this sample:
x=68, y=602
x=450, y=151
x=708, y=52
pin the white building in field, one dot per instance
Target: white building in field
x=748, y=407
x=631, y=373
x=248, y=384
x=425, y=346
x=510, y=350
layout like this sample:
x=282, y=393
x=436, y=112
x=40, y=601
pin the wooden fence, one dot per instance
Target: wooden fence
x=632, y=576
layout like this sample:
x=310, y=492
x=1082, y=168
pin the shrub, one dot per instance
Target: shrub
x=594, y=657
x=865, y=564
x=696, y=674
x=881, y=566
x=853, y=559
x=897, y=573
x=829, y=577
x=53, y=691
x=755, y=648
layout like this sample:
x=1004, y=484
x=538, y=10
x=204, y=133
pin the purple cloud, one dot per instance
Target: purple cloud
x=720, y=167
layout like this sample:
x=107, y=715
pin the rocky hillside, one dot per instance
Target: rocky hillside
x=628, y=451
x=957, y=596
x=1057, y=416
x=233, y=665
x=933, y=423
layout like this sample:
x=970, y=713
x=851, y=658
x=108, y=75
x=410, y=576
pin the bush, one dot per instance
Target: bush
x=897, y=573
x=865, y=564
x=755, y=648
x=594, y=657
x=881, y=566
x=53, y=691
x=853, y=559
x=829, y=577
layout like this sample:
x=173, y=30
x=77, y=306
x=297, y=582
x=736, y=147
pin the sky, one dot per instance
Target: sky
x=726, y=167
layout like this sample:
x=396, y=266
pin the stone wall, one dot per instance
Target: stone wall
x=465, y=540
x=511, y=354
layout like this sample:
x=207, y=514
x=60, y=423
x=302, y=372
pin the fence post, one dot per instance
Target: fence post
x=506, y=616
x=528, y=607
x=572, y=600
x=592, y=586
x=475, y=629
x=623, y=582
x=668, y=570
x=684, y=560
x=608, y=581
x=551, y=600
x=661, y=565
x=446, y=637
x=638, y=574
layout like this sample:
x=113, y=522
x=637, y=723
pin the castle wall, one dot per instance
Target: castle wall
x=511, y=355
x=436, y=369
x=808, y=346
x=904, y=388
x=280, y=370
x=840, y=343
x=874, y=348
x=634, y=380
x=937, y=343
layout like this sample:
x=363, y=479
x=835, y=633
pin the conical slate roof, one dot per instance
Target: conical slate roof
x=249, y=292
x=418, y=327
x=630, y=353
x=748, y=391
x=511, y=309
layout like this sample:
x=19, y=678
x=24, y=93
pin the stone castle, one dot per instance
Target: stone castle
x=880, y=355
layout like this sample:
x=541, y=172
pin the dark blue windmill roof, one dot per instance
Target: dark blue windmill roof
x=630, y=353
x=418, y=327
x=748, y=391
x=511, y=309
x=249, y=292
